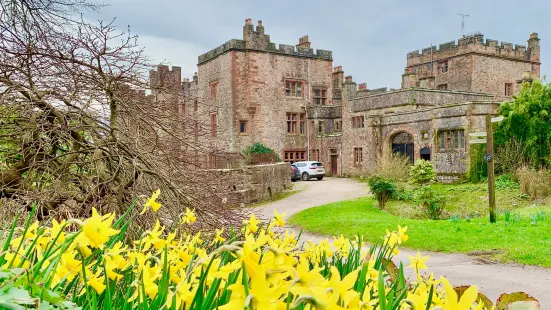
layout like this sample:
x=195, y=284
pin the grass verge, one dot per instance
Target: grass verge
x=277, y=197
x=464, y=200
x=523, y=236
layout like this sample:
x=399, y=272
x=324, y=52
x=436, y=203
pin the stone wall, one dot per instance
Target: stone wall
x=413, y=97
x=251, y=184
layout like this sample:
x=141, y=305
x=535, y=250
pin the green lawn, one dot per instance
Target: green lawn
x=521, y=239
x=465, y=200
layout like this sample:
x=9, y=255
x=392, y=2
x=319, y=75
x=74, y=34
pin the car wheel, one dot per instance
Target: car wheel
x=293, y=180
x=305, y=176
x=320, y=178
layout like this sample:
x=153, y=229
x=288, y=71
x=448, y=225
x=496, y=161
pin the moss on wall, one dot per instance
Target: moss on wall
x=478, y=169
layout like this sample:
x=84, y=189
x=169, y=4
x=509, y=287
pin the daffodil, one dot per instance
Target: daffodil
x=251, y=225
x=452, y=302
x=278, y=219
x=218, y=236
x=418, y=262
x=189, y=217
x=97, y=229
x=152, y=202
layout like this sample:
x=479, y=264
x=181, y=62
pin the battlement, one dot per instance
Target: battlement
x=257, y=40
x=476, y=44
x=165, y=76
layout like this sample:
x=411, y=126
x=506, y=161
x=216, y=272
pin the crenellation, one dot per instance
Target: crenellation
x=520, y=48
x=413, y=54
x=427, y=50
x=287, y=49
x=257, y=40
x=475, y=44
x=506, y=45
x=492, y=43
x=447, y=46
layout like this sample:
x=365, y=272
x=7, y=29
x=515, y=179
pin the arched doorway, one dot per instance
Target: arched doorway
x=424, y=153
x=402, y=143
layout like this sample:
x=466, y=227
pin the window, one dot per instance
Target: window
x=292, y=156
x=213, y=90
x=533, y=68
x=358, y=122
x=358, y=156
x=195, y=105
x=183, y=109
x=212, y=161
x=443, y=87
x=338, y=125
x=320, y=95
x=312, y=128
x=293, y=89
x=213, y=124
x=292, y=123
x=315, y=155
x=321, y=127
x=302, y=123
x=508, y=89
x=452, y=139
x=444, y=66
x=242, y=126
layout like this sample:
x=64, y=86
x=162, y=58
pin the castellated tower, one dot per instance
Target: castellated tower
x=255, y=90
x=474, y=64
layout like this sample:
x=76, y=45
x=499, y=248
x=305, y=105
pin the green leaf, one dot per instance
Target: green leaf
x=517, y=300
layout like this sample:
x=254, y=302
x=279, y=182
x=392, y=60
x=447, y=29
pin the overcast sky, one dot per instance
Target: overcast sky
x=370, y=39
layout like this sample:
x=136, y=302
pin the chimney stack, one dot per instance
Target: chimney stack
x=304, y=42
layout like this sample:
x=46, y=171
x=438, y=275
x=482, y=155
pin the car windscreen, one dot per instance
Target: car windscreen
x=317, y=165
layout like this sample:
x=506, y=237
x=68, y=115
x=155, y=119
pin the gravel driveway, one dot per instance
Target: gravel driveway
x=460, y=269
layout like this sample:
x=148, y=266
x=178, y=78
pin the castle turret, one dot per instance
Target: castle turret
x=534, y=47
x=409, y=79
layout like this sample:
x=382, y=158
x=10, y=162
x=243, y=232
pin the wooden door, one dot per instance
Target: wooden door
x=334, y=161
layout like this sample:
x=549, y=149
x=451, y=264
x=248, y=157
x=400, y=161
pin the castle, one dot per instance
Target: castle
x=293, y=100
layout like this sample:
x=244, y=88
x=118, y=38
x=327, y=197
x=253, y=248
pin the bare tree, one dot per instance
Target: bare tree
x=76, y=127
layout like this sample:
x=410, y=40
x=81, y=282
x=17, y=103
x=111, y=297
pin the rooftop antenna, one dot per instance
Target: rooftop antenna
x=463, y=23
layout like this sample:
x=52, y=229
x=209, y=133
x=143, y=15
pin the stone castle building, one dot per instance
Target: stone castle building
x=293, y=100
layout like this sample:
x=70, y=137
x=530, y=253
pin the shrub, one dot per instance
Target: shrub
x=394, y=167
x=382, y=188
x=258, y=153
x=430, y=202
x=510, y=156
x=535, y=183
x=423, y=172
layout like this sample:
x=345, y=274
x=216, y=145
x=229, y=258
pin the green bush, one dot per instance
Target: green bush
x=260, y=152
x=382, y=188
x=430, y=202
x=423, y=172
x=528, y=121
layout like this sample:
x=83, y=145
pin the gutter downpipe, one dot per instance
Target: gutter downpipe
x=306, y=115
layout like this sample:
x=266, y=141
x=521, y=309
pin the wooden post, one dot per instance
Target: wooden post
x=490, y=162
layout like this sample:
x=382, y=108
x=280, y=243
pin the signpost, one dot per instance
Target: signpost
x=490, y=162
x=488, y=138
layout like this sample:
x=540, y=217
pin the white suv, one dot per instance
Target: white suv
x=310, y=169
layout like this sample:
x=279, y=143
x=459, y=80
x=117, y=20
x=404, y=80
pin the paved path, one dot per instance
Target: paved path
x=460, y=269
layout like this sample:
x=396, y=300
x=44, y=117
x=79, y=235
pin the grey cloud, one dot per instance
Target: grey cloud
x=369, y=39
